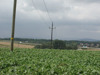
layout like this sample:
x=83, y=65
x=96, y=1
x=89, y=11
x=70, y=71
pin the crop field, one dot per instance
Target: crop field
x=49, y=62
x=6, y=44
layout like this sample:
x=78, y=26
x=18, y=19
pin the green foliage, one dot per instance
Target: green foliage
x=73, y=46
x=37, y=47
x=59, y=44
x=49, y=62
x=43, y=46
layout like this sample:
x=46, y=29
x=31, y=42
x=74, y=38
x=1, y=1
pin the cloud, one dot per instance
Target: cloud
x=73, y=19
x=87, y=1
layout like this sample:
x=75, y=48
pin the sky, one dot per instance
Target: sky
x=73, y=19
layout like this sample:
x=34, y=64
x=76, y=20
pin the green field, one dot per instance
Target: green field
x=49, y=62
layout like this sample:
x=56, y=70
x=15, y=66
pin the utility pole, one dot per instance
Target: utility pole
x=13, y=24
x=52, y=35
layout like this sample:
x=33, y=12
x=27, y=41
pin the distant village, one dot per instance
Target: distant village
x=88, y=45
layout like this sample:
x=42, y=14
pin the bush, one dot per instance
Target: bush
x=59, y=44
x=72, y=46
x=43, y=46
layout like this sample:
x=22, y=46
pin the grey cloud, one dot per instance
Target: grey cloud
x=55, y=6
x=87, y=1
x=77, y=22
x=30, y=24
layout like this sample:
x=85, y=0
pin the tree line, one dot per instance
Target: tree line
x=57, y=44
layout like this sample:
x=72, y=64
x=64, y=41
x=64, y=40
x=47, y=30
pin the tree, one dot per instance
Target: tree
x=59, y=44
x=72, y=46
x=43, y=46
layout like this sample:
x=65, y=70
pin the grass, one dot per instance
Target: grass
x=49, y=62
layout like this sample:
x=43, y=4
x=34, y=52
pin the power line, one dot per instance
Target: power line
x=52, y=28
x=47, y=10
x=33, y=2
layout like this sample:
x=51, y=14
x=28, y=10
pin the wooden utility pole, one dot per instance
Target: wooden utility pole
x=13, y=24
x=52, y=35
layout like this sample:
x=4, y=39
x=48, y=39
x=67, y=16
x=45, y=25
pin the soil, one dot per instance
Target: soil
x=16, y=45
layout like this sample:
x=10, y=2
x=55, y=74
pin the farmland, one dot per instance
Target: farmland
x=6, y=44
x=49, y=62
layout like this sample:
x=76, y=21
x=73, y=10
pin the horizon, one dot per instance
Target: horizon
x=84, y=39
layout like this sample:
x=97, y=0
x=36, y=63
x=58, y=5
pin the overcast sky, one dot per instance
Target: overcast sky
x=73, y=19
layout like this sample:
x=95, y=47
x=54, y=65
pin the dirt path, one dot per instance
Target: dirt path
x=94, y=49
x=7, y=44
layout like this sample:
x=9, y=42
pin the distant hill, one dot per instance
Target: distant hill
x=86, y=39
x=47, y=40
